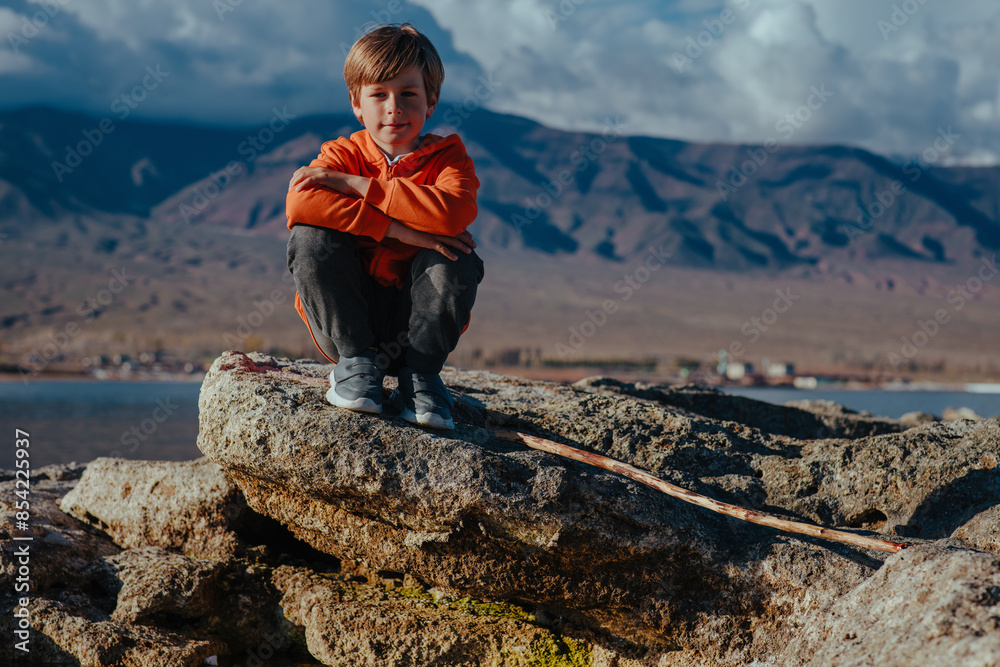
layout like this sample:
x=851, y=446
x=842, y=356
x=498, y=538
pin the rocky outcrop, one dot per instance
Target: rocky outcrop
x=191, y=506
x=350, y=624
x=102, y=595
x=886, y=620
x=72, y=587
x=319, y=534
x=468, y=514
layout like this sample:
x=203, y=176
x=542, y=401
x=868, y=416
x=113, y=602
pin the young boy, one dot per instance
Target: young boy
x=384, y=267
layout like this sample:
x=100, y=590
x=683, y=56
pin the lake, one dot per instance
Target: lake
x=892, y=404
x=82, y=420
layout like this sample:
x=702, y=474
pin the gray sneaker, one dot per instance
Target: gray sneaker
x=426, y=401
x=356, y=384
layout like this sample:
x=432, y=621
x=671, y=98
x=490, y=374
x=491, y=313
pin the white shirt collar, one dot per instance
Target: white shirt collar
x=394, y=160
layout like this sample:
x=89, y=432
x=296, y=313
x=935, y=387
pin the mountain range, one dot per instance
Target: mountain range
x=564, y=216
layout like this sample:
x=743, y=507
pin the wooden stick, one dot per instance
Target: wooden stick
x=697, y=499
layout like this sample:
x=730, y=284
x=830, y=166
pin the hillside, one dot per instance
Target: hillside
x=565, y=220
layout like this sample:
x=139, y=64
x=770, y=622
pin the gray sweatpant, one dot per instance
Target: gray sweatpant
x=349, y=312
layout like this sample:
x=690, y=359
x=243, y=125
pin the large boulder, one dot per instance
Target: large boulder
x=97, y=603
x=67, y=570
x=61, y=547
x=468, y=514
x=262, y=597
x=887, y=621
x=345, y=624
x=189, y=506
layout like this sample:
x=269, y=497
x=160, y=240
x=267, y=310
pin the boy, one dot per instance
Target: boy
x=384, y=267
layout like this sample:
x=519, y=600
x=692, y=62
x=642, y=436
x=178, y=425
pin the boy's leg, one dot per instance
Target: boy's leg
x=440, y=293
x=334, y=288
x=336, y=295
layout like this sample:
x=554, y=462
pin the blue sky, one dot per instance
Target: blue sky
x=883, y=74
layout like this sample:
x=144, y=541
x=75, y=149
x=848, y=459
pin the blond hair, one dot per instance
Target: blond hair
x=383, y=53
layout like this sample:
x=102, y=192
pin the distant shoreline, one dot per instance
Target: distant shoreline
x=9, y=378
x=571, y=374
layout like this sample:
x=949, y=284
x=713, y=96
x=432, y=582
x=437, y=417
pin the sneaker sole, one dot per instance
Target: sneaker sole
x=357, y=405
x=431, y=419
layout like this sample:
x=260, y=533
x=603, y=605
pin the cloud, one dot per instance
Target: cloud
x=734, y=70
x=229, y=62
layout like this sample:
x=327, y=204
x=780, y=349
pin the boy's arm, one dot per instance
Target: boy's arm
x=322, y=207
x=446, y=207
x=446, y=245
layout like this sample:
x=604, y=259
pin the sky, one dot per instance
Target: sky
x=887, y=75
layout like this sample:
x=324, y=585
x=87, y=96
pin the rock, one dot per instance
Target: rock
x=92, y=603
x=344, y=628
x=955, y=414
x=61, y=547
x=456, y=548
x=149, y=606
x=470, y=515
x=151, y=580
x=190, y=506
x=954, y=617
x=913, y=419
x=981, y=530
x=804, y=420
x=68, y=634
x=919, y=483
x=69, y=621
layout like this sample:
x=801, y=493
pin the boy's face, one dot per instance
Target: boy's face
x=394, y=111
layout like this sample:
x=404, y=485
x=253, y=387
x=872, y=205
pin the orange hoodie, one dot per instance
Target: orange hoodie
x=432, y=189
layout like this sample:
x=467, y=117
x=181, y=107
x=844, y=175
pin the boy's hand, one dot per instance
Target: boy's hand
x=338, y=181
x=443, y=244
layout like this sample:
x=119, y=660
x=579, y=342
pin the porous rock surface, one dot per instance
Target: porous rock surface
x=70, y=614
x=643, y=576
x=189, y=506
x=100, y=594
x=460, y=549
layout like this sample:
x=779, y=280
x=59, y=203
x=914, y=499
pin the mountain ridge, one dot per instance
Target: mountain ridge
x=197, y=213
x=609, y=195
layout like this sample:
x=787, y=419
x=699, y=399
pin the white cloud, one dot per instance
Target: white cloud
x=689, y=69
x=745, y=69
x=229, y=62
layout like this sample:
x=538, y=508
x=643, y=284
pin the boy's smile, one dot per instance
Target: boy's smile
x=394, y=111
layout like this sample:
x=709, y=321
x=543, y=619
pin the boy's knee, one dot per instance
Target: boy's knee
x=467, y=268
x=317, y=244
